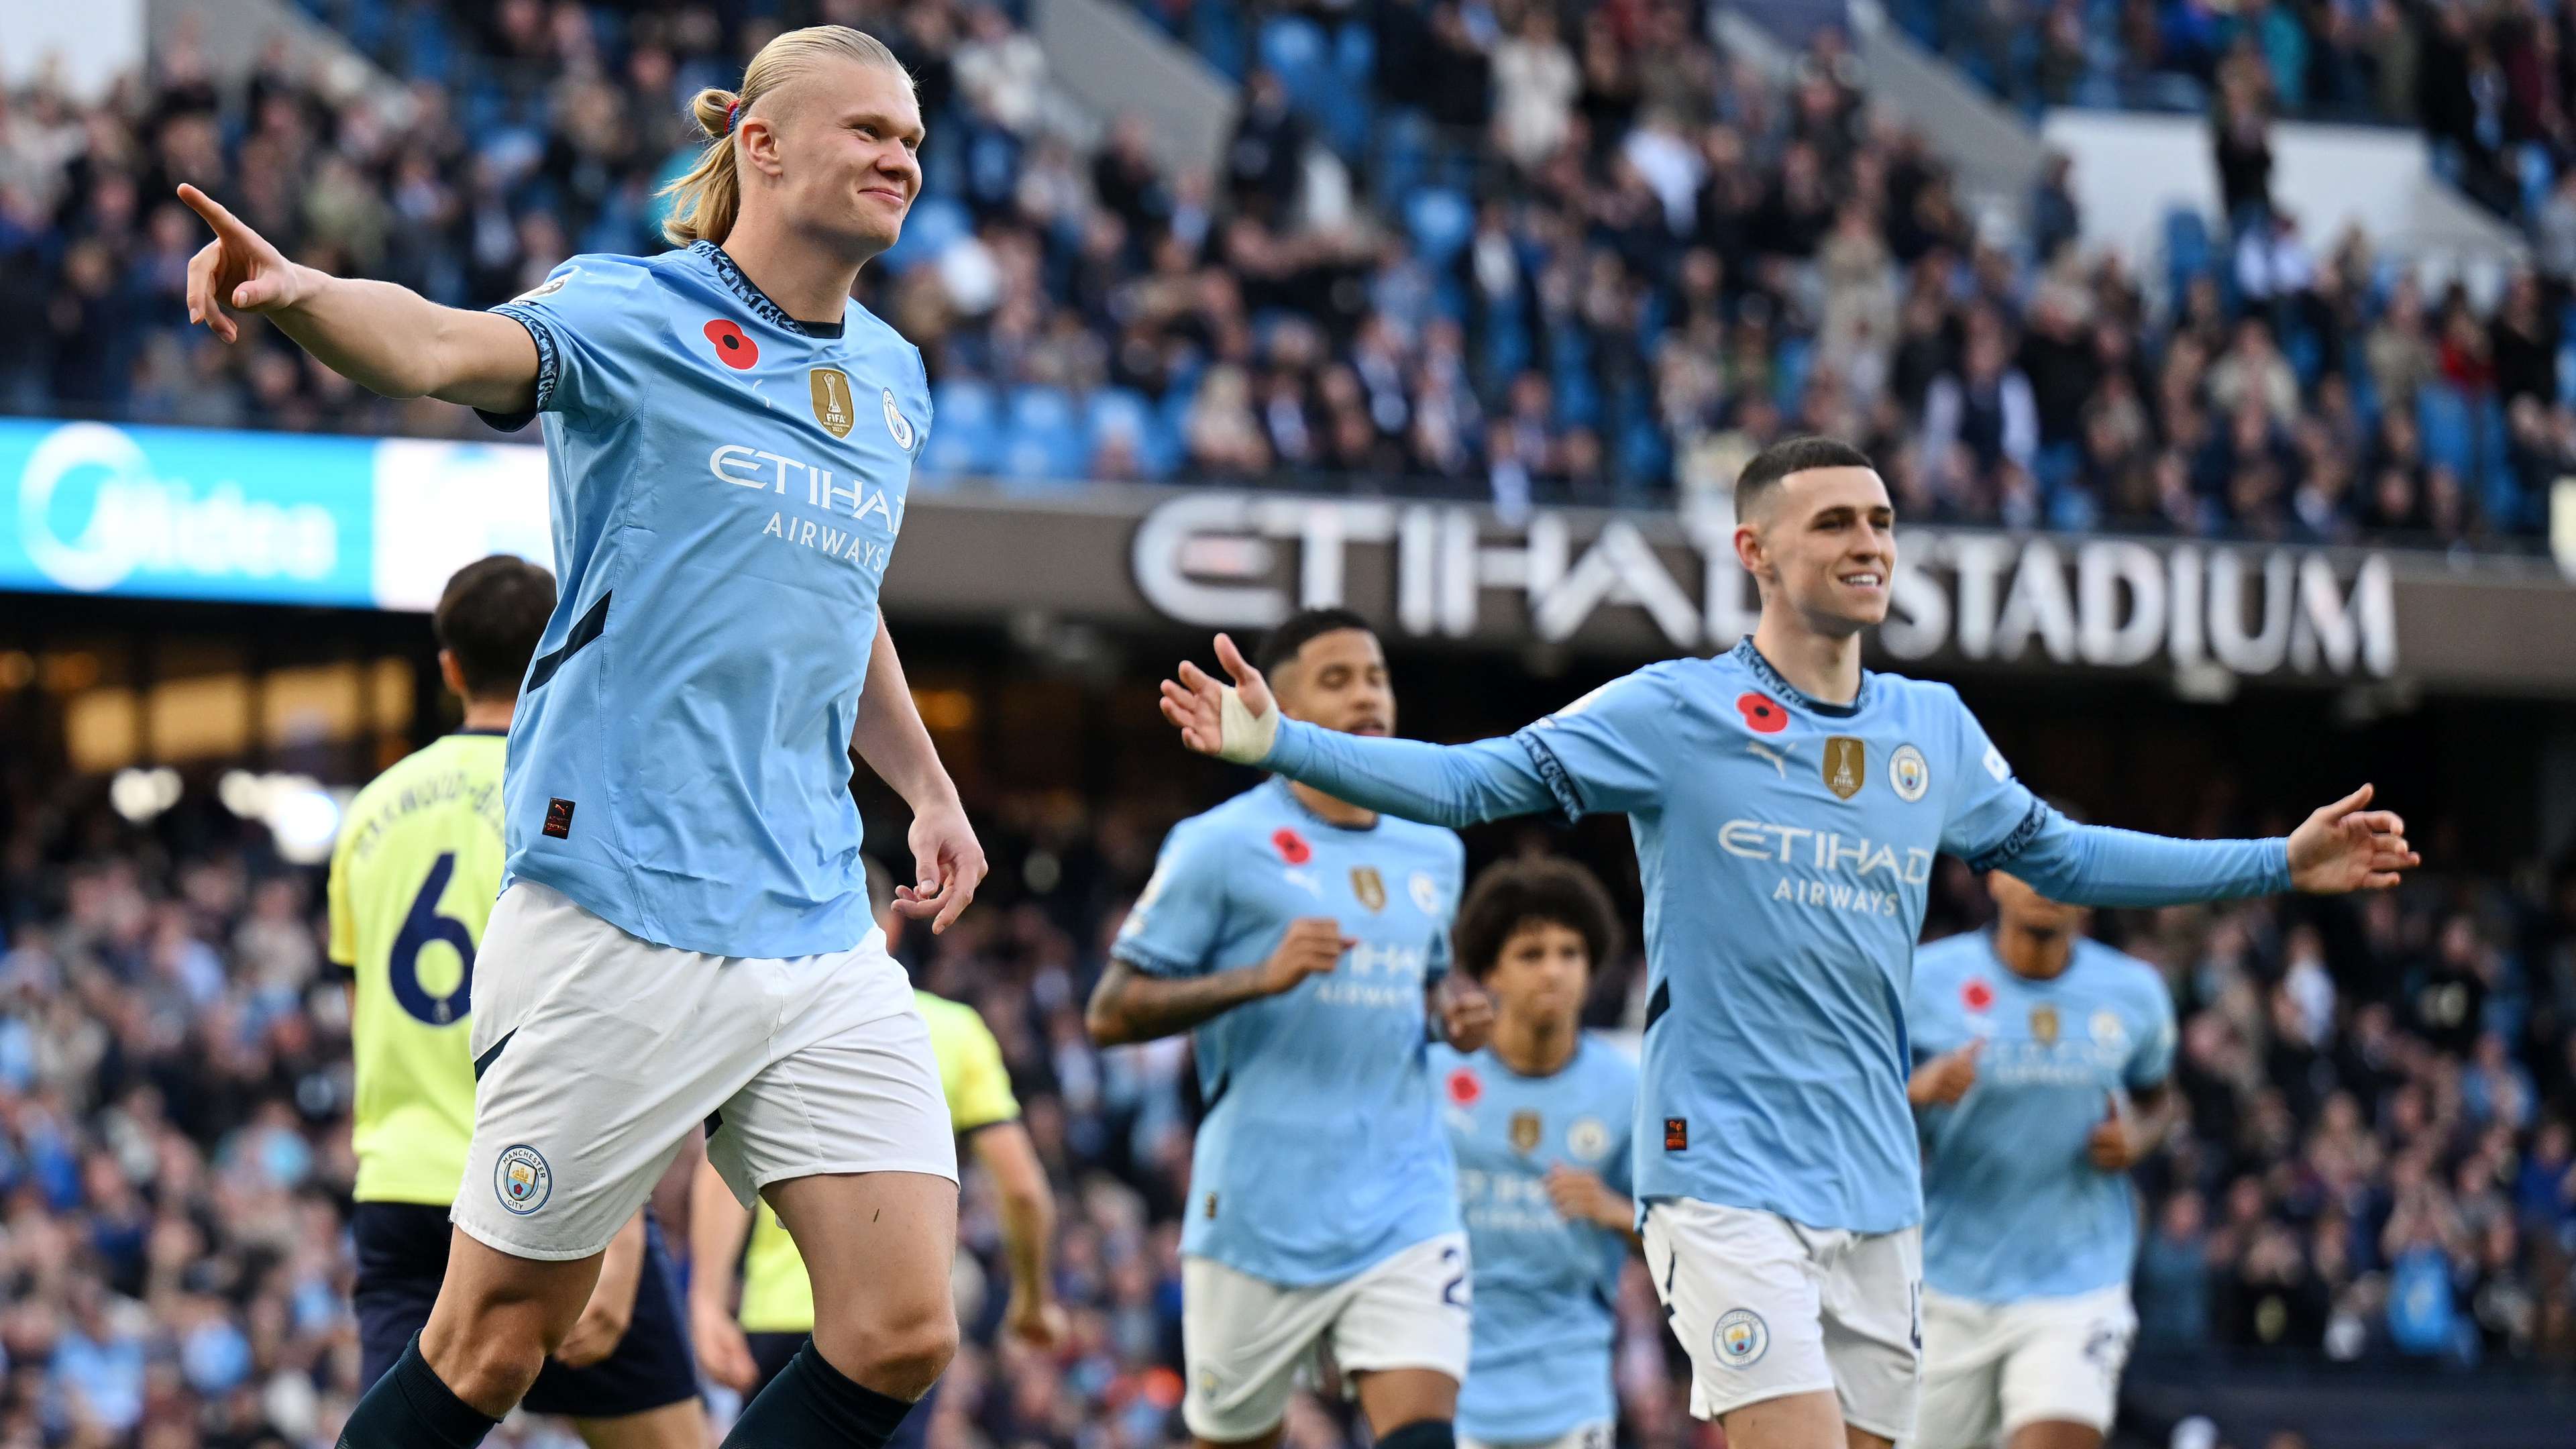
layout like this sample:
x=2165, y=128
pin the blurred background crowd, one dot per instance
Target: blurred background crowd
x=1506, y=248
x=2377, y=1169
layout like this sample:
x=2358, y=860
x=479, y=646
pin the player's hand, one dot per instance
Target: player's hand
x=2344, y=847
x=723, y=1352
x=1237, y=721
x=238, y=271
x=2113, y=1147
x=1942, y=1081
x=1582, y=1197
x=596, y=1333
x=1310, y=948
x=1466, y=1015
x=948, y=862
x=1039, y=1323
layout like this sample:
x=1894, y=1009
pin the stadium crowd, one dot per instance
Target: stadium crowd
x=2378, y=1164
x=1590, y=257
x=2486, y=80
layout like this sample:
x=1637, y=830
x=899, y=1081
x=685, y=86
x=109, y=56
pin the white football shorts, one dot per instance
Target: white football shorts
x=1990, y=1368
x=1245, y=1341
x=1767, y=1308
x=596, y=1052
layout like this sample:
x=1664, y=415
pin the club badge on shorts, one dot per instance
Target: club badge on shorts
x=521, y=1179
x=1741, y=1338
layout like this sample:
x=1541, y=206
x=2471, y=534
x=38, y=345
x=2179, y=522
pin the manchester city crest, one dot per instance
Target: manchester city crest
x=1741, y=1338
x=896, y=423
x=1907, y=774
x=521, y=1179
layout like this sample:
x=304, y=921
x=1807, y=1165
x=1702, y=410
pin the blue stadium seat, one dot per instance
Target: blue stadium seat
x=1296, y=50
x=2449, y=435
x=936, y=224
x=1044, y=437
x=1441, y=221
x=965, y=429
x=1118, y=412
x=2188, y=250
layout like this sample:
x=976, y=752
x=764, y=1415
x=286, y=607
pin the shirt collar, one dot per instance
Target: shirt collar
x=757, y=300
x=1280, y=783
x=1751, y=658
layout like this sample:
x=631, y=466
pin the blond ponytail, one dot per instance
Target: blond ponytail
x=706, y=202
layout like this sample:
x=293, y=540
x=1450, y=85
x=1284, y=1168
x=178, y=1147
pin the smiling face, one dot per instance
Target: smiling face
x=1823, y=543
x=840, y=148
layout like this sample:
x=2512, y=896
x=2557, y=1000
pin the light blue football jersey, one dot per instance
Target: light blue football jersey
x=1546, y=1289
x=1320, y=1150
x=1785, y=845
x=2013, y=1208
x=727, y=487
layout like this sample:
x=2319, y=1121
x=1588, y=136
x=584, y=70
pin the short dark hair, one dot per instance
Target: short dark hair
x=1546, y=890
x=490, y=617
x=1290, y=635
x=1787, y=456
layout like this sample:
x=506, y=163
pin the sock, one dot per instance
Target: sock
x=410, y=1409
x=1420, y=1434
x=812, y=1405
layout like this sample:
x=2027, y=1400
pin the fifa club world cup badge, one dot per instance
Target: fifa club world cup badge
x=1524, y=1132
x=1369, y=887
x=832, y=408
x=1846, y=765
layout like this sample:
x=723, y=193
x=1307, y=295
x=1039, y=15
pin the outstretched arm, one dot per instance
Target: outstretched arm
x=384, y=338
x=1438, y=784
x=2342, y=847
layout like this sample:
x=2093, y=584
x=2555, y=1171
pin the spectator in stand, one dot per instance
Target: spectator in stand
x=1688, y=254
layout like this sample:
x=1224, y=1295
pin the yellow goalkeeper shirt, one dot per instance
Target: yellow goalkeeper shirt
x=777, y=1297
x=413, y=877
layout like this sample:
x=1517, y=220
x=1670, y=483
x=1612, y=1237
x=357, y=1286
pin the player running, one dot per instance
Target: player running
x=683, y=930
x=2044, y=1057
x=1539, y=1120
x=744, y=1350
x=1786, y=806
x=412, y=880
x=1304, y=943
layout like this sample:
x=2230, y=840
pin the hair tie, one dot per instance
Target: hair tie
x=731, y=112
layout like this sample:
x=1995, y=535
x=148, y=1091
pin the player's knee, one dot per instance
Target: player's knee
x=1420, y=1434
x=492, y=1353
x=900, y=1354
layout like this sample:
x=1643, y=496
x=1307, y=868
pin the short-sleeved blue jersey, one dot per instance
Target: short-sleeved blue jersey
x=1546, y=1289
x=1320, y=1151
x=1785, y=845
x=2013, y=1206
x=727, y=487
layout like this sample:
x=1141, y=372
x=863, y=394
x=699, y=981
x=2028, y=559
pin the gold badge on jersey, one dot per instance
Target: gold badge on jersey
x=1846, y=765
x=1369, y=886
x=1524, y=1131
x=832, y=407
x=2043, y=1025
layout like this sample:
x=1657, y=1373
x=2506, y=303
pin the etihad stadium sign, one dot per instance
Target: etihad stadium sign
x=1643, y=584
x=1208, y=559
